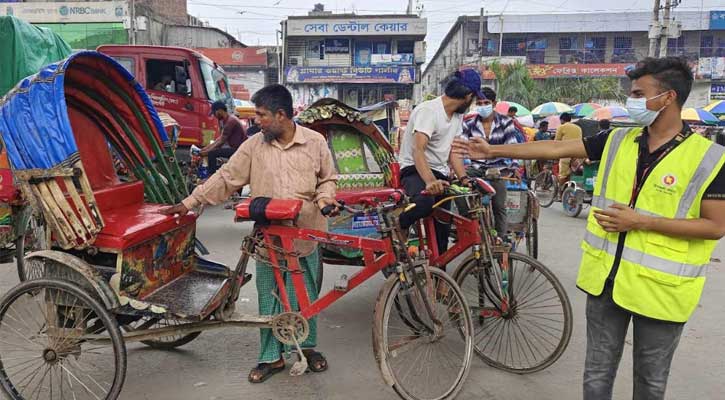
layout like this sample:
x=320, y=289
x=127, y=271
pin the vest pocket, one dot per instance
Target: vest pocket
x=663, y=259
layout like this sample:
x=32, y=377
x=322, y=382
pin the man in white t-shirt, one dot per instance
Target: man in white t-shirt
x=426, y=147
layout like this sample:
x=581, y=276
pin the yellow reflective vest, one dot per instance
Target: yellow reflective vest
x=659, y=276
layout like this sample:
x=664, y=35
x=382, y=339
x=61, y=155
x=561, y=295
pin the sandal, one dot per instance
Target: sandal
x=316, y=361
x=263, y=371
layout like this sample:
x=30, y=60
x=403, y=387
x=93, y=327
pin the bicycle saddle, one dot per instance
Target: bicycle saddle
x=482, y=186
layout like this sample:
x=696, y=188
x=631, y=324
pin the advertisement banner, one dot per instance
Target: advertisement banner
x=717, y=91
x=351, y=74
x=711, y=68
x=56, y=12
x=539, y=71
x=717, y=20
x=356, y=26
x=392, y=59
x=337, y=46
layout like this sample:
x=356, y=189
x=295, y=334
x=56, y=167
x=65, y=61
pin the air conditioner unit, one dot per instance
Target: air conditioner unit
x=295, y=61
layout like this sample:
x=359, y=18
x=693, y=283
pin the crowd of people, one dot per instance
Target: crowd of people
x=657, y=208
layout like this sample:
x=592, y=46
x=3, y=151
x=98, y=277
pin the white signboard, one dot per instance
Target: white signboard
x=356, y=26
x=67, y=12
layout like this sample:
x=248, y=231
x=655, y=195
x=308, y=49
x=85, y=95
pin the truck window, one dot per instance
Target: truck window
x=215, y=82
x=127, y=63
x=168, y=76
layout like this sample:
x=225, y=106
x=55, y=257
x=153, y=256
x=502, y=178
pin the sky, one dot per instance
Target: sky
x=254, y=22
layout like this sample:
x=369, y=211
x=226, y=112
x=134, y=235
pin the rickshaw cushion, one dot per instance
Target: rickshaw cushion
x=276, y=209
x=136, y=223
x=119, y=196
x=357, y=196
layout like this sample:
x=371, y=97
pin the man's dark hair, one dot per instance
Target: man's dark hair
x=565, y=117
x=513, y=109
x=543, y=124
x=274, y=98
x=455, y=89
x=218, y=105
x=672, y=73
x=489, y=93
x=604, y=124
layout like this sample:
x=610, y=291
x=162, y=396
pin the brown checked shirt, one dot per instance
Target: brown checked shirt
x=303, y=169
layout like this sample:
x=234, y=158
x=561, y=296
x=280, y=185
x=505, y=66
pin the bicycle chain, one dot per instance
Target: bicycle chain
x=261, y=244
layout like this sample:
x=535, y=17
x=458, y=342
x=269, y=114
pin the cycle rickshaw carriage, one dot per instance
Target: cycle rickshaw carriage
x=119, y=271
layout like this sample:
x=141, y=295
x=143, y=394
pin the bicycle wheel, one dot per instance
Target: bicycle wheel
x=572, y=206
x=35, y=238
x=546, y=187
x=45, y=344
x=536, y=331
x=417, y=357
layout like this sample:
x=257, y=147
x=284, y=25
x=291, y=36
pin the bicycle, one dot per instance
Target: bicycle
x=509, y=293
x=546, y=185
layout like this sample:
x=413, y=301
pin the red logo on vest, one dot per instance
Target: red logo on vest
x=669, y=180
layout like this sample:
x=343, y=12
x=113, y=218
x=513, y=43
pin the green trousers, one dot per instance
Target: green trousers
x=270, y=348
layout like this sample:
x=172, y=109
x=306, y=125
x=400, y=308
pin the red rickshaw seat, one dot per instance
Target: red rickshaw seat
x=128, y=220
x=276, y=210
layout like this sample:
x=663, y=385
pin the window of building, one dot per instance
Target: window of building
x=168, y=76
x=315, y=49
x=513, y=46
x=568, y=49
x=381, y=47
x=337, y=46
x=535, y=50
x=406, y=46
x=594, y=50
x=676, y=46
x=623, y=51
x=706, y=45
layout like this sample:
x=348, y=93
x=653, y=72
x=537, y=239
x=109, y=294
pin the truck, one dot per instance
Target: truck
x=180, y=82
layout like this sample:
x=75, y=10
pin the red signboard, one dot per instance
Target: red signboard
x=541, y=71
x=538, y=71
x=248, y=56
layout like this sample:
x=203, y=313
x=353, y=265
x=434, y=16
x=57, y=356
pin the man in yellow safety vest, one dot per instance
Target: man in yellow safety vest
x=658, y=212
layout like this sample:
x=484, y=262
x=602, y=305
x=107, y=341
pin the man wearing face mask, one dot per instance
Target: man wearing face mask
x=426, y=147
x=658, y=212
x=496, y=129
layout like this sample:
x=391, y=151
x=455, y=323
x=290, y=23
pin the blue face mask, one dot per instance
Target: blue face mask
x=638, y=111
x=485, y=110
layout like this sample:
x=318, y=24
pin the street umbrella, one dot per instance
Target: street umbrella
x=716, y=107
x=502, y=107
x=585, y=109
x=551, y=108
x=554, y=122
x=526, y=120
x=699, y=116
x=612, y=113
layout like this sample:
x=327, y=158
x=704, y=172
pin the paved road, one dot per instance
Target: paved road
x=215, y=365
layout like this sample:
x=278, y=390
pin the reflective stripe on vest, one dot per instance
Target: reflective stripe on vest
x=652, y=262
x=616, y=141
x=704, y=170
x=603, y=203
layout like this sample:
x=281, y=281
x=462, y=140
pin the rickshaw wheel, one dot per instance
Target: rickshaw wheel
x=55, y=340
x=572, y=206
x=546, y=188
x=35, y=238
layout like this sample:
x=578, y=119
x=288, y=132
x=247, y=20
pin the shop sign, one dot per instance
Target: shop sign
x=67, y=12
x=717, y=20
x=356, y=27
x=337, y=46
x=391, y=59
x=350, y=74
x=717, y=91
x=538, y=71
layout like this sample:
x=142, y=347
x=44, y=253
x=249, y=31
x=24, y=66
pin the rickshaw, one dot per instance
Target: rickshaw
x=579, y=190
x=118, y=271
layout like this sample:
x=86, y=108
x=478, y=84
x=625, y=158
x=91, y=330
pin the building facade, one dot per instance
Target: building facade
x=577, y=45
x=358, y=59
x=88, y=24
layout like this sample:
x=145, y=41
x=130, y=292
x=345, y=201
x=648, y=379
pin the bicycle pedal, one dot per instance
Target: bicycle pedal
x=342, y=284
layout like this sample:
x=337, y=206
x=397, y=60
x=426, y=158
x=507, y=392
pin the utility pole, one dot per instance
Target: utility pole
x=133, y=21
x=655, y=30
x=409, y=10
x=664, y=38
x=500, y=35
x=480, y=34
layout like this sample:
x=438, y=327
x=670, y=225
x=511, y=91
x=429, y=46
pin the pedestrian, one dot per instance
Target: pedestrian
x=520, y=136
x=285, y=161
x=495, y=129
x=658, y=212
x=426, y=147
x=604, y=125
x=566, y=131
x=543, y=132
x=232, y=136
